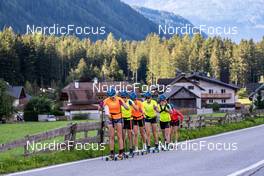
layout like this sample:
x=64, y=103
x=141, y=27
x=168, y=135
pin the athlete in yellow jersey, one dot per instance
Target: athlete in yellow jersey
x=165, y=110
x=150, y=107
x=114, y=105
x=128, y=120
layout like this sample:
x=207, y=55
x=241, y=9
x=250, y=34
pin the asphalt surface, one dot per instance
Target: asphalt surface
x=182, y=162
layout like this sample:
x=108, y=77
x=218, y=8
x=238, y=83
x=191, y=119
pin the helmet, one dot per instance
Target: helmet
x=162, y=97
x=111, y=92
x=133, y=96
x=123, y=94
x=147, y=94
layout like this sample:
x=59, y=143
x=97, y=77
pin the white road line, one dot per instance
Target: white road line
x=253, y=166
x=92, y=159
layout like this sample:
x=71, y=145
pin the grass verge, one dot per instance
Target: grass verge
x=14, y=164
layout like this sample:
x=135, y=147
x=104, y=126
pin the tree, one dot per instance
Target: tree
x=79, y=71
x=259, y=101
x=36, y=106
x=6, y=101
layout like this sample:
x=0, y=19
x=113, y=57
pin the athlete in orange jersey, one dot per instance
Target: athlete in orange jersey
x=115, y=121
x=138, y=118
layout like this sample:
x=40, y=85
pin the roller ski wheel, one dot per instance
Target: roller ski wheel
x=110, y=158
x=155, y=151
x=131, y=155
x=144, y=152
x=119, y=157
x=136, y=153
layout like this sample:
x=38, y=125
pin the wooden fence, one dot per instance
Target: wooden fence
x=69, y=132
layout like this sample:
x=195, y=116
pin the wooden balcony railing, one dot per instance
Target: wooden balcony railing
x=216, y=95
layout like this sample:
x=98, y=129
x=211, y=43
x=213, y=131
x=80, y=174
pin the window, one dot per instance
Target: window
x=223, y=101
x=223, y=91
x=211, y=91
x=211, y=101
x=191, y=87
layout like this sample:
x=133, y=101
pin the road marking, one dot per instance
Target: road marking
x=92, y=159
x=253, y=166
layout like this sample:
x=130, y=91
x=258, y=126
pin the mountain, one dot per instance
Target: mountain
x=247, y=15
x=168, y=19
x=97, y=16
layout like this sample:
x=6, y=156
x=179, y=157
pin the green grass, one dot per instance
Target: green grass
x=216, y=114
x=10, y=132
x=19, y=163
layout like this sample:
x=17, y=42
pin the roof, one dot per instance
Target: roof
x=88, y=92
x=177, y=79
x=212, y=80
x=17, y=91
x=165, y=81
x=175, y=89
x=251, y=87
x=261, y=87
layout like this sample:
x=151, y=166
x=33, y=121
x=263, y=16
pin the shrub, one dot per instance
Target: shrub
x=242, y=93
x=80, y=117
x=215, y=106
x=36, y=106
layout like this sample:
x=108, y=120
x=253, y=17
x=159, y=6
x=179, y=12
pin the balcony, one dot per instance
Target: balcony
x=216, y=95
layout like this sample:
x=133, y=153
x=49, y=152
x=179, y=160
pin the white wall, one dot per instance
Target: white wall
x=217, y=89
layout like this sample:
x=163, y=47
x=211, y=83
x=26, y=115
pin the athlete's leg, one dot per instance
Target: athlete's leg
x=136, y=136
x=119, y=129
x=148, y=126
x=177, y=133
x=154, y=131
x=111, y=137
x=167, y=134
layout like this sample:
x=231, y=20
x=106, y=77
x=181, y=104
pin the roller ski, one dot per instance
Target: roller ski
x=164, y=148
x=121, y=157
x=156, y=150
x=144, y=152
x=131, y=154
x=110, y=158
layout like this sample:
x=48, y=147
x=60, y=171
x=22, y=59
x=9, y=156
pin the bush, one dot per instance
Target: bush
x=242, y=93
x=80, y=117
x=36, y=106
x=215, y=106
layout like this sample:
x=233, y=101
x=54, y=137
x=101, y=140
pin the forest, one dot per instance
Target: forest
x=52, y=61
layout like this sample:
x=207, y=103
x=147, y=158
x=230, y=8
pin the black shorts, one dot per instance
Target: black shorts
x=175, y=123
x=114, y=121
x=151, y=120
x=128, y=124
x=139, y=123
x=164, y=125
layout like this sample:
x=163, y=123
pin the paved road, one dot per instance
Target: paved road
x=250, y=150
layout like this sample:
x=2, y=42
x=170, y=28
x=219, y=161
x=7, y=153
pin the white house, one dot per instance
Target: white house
x=197, y=92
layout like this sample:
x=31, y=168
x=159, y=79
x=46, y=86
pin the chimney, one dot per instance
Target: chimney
x=76, y=84
x=95, y=80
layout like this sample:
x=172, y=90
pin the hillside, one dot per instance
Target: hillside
x=117, y=17
x=165, y=18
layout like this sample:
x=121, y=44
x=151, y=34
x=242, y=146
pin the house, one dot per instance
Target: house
x=259, y=91
x=84, y=97
x=19, y=95
x=196, y=92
